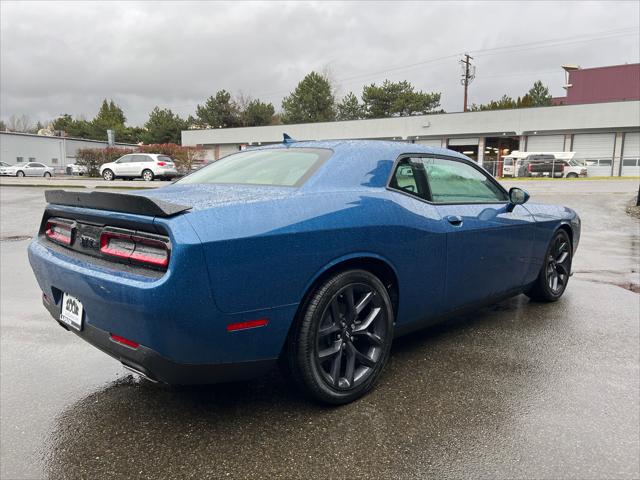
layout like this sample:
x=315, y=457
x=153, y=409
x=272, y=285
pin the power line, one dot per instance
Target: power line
x=557, y=44
x=587, y=37
x=484, y=52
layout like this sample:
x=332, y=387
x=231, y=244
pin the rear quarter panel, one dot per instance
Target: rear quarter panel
x=268, y=253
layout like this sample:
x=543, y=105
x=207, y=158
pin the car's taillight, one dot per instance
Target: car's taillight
x=60, y=230
x=529, y=167
x=139, y=248
x=161, y=164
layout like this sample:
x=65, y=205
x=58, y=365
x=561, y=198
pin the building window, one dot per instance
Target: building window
x=32, y=159
x=20, y=159
x=54, y=161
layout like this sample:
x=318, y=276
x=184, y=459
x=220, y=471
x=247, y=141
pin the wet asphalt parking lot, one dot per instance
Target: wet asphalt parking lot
x=516, y=390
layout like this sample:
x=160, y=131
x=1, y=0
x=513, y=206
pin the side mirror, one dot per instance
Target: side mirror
x=517, y=196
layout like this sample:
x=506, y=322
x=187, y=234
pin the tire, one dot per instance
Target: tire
x=572, y=175
x=47, y=175
x=19, y=173
x=108, y=175
x=147, y=175
x=337, y=360
x=555, y=272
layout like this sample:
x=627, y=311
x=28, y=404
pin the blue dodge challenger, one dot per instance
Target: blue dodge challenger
x=310, y=254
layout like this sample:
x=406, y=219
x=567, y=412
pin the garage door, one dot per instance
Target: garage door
x=545, y=143
x=631, y=155
x=596, y=150
x=433, y=142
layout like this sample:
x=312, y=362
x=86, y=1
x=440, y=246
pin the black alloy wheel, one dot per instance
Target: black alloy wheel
x=349, y=339
x=554, y=276
x=342, y=341
x=558, y=265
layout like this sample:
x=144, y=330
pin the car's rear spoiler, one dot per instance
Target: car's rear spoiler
x=115, y=202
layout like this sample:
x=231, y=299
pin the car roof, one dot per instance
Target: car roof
x=360, y=163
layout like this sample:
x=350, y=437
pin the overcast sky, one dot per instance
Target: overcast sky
x=58, y=57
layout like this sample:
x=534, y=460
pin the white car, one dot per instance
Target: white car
x=31, y=169
x=140, y=165
x=75, y=169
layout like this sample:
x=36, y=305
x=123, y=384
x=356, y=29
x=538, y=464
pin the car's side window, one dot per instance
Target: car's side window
x=125, y=159
x=409, y=177
x=452, y=181
x=141, y=158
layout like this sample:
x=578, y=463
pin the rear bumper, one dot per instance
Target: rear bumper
x=167, y=173
x=183, y=336
x=150, y=364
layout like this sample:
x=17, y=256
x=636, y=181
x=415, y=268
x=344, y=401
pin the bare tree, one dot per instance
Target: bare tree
x=20, y=124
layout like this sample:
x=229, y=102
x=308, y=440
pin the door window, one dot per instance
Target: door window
x=125, y=159
x=452, y=181
x=141, y=158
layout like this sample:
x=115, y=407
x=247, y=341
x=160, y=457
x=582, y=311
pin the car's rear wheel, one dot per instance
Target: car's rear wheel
x=147, y=175
x=341, y=340
x=47, y=174
x=19, y=173
x=108, y=175
x=556, y=269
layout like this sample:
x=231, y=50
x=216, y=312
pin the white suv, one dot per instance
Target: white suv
x=140, y=165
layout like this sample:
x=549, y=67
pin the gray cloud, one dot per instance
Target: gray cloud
x=65, y=57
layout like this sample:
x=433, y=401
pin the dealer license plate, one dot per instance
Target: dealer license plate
x=71, y=311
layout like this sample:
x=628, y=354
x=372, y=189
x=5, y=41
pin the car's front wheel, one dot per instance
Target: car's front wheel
x=572, y=175
x=47, y=174
x=556, y=269
x=342, y=338
x=19, y=173
x=108, y=175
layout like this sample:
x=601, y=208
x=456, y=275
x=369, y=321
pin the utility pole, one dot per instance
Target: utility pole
x=468, y=74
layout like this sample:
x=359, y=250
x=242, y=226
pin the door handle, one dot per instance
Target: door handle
x=454, y=220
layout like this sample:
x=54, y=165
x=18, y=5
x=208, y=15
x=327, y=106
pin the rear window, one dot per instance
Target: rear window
x=285, y=167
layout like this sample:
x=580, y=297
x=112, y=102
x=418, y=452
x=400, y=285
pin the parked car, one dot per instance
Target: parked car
x=75, y=169
x=140, y=165
x=558, y=165
x=4, y=164
x=543, y=166
x=31, y=169
x=550, y=166
x=316, y=254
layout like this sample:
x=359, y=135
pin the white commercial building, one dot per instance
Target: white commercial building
x=56, y=152
x=605, y=135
